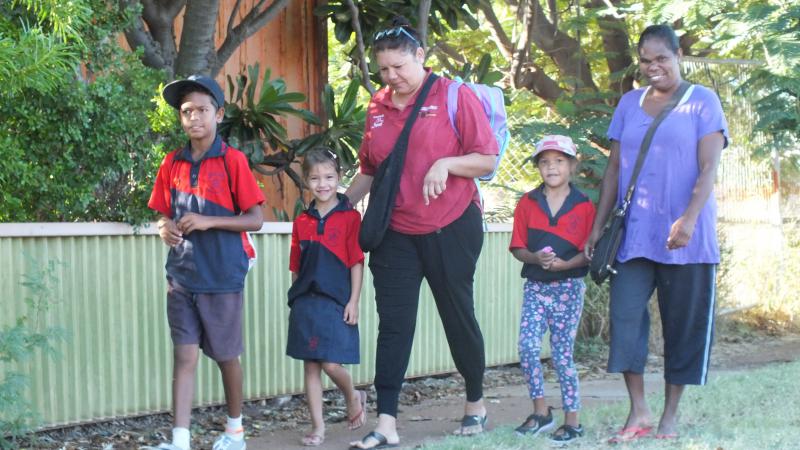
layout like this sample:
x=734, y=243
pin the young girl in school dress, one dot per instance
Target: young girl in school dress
x=327, y=267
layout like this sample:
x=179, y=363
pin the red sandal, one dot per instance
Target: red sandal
x=360, y=418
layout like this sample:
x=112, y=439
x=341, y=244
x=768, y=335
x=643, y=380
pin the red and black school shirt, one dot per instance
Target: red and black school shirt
x=219, y=184
x=323, y=251
x=535, y=227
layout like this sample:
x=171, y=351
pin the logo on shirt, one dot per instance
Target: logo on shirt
x=428, y=111
x=377, y=121
x=216, y=182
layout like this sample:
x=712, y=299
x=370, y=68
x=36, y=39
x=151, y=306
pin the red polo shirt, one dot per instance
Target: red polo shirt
x=565, y=231
x=431, y=139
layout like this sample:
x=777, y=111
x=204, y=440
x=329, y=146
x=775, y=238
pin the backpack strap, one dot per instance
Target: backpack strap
x=452, y=104
x=225, y=147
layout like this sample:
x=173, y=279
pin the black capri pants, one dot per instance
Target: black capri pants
x=446, y=259
x=686, y=297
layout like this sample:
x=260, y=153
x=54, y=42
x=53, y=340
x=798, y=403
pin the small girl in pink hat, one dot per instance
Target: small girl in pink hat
x=551, y=226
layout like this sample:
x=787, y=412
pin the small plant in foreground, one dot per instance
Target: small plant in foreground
x=19, y=342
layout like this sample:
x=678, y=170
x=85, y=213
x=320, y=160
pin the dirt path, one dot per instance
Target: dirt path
x=431, y=419
x=429, y=406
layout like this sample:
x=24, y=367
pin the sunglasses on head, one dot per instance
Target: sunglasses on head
x=393, y=33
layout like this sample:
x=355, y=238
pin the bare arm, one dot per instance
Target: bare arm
x=709, y=151
x=359, y=187
x=251, y=220
x=608, y=194
x=576, y=261
x=351, y=309
x=540, y=258
x=471, y=165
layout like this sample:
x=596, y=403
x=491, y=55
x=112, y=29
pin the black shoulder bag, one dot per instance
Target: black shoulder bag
x=605, y=250
x=386, y=181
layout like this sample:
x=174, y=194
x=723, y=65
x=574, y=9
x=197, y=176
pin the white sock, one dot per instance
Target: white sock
x=234, y=428
x=181, y=438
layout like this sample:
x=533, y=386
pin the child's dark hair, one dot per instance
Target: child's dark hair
x=399, y=36
x=320, y=155
x=663, y=32
x=191, y=89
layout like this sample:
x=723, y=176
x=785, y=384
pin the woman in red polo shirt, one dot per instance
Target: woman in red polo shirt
x=436, y=228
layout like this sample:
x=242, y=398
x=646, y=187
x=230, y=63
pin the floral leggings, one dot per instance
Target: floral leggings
x=554, y=305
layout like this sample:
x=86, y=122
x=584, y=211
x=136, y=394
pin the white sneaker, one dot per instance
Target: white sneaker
x=163, y=446
x=224, y=442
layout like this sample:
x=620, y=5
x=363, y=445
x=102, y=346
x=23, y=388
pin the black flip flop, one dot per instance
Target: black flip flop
x=382, y=442
x=472, y=421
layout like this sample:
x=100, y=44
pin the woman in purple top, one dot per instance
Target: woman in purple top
x=670, y=242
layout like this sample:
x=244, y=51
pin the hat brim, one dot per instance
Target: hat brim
x=553, y=148
x=172, y=92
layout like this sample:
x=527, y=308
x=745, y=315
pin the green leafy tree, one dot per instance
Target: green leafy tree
x=770, y=31
x=40, y=43
x=84, y=149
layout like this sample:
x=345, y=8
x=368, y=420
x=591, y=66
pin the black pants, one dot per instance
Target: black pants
x=446, y=258
x=686, y=302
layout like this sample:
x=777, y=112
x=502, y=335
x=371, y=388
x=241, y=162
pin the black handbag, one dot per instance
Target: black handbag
x=386, y=181
x=605, y=250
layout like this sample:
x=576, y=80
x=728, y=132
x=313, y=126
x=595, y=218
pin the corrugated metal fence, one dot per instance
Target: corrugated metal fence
x=110, y=298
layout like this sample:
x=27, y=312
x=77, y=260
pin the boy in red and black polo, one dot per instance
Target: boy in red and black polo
x=207, y=198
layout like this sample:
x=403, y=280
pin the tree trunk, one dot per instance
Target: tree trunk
x=197, y=49
x=524, y=73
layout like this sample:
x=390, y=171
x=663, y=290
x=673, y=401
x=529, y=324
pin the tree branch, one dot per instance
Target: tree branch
x=616, y=45
x=450, y=51
x=563, y=49
x=158, y=38
x=522, y=48
x=232, y=17
x=499, y=35
x=422, y=23
x=250, y=24
x=362, y=59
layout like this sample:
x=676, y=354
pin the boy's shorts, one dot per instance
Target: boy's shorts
x=212, y=321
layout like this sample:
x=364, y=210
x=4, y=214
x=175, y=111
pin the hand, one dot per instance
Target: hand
x=193, y=222
x=351, y=313
x=588, y=249
x=435, y=181
x=545, y=257
x=680, y=233
x=169, y=232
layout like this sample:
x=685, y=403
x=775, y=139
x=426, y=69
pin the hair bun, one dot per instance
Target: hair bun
x=400, y=21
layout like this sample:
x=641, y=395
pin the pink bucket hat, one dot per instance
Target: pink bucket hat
x=556, y=142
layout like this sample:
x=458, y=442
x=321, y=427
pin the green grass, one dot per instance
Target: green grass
x=759, y=409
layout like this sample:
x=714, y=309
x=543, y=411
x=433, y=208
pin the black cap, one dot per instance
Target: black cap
x=172, y=92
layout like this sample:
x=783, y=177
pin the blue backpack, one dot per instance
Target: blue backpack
x=491, y=99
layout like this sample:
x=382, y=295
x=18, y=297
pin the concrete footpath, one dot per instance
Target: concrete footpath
x=434, y=419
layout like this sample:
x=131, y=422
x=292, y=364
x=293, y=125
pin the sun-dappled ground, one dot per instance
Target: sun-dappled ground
x=430, y=405
x=753, y=409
